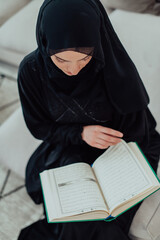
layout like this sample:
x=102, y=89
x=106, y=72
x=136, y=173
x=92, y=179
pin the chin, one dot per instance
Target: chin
x=70, y=74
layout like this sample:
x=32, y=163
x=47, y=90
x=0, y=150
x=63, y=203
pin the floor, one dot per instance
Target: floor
x=16, y=208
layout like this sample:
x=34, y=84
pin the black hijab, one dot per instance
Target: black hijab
x=83, y=26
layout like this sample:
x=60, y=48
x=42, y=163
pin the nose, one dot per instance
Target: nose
x=74, y=69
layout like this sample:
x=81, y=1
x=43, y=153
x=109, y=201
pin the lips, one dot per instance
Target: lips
x=69, y=73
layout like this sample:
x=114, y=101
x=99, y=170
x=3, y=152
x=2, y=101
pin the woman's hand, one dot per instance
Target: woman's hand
x=100, y=137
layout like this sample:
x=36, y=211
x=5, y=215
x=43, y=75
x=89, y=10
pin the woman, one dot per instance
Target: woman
x=81, y=93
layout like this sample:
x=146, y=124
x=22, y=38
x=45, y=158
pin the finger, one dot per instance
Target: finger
x=111, y=132
x=97, y=145
x=104, y=144
x=108, y=138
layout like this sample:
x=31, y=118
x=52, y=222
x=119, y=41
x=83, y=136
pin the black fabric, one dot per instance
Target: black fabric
x=98, y=230
x=107, y=92
x=62, y=144
x=79, y=25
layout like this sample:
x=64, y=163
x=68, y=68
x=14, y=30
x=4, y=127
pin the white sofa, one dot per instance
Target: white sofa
x=17, y=30
x=140, y=35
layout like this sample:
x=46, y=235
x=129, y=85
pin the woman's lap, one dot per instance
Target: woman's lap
x=116, y=229
x=92, y=230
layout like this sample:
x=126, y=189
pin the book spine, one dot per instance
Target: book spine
x=110, y=218
x=44, y=199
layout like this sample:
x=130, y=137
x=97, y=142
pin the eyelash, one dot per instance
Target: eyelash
x=64, y=61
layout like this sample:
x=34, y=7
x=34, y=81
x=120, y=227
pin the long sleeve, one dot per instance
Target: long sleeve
x=36, y=114
x=141, y=128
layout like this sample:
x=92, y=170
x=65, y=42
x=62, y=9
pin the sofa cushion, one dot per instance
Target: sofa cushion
x=139, y=33
x=10, y=57
x=142, y=6
x=17, y=143
x=9, y=8
x=145, y=224
x=18, y=33
x=146, y=221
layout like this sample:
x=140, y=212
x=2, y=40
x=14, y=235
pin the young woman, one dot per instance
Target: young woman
x=81, y=93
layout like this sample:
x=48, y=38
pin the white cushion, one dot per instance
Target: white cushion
x=145, y=224
x=105, y=5
x=9, y=8
x=18, y=33
x=140, y=34
x=143, y=6
x=16, y=143
x=10, y=57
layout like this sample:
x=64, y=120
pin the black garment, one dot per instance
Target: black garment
x=107, y=91
x=98, y=230
x=58, y=120
x=63, y=145
x=83, y=26
x=70, y=114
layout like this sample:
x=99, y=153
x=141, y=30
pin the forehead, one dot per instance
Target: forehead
x=68, y=55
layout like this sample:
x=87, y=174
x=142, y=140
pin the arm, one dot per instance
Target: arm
x=36, y=114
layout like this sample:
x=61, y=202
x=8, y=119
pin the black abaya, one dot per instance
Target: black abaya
x=64, y=145
x=107, y=91
x=98, y=230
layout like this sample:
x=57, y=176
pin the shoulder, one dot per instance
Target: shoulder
x=28, y=64
x=28, y=71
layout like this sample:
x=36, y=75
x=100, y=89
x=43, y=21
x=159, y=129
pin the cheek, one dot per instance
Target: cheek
x=83, y=64
x=60, y=65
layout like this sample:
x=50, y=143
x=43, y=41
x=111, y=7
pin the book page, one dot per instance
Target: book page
x=120, y=174
x=144, y=162
x=77, y=189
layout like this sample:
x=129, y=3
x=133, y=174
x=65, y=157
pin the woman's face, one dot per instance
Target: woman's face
x=70, y=62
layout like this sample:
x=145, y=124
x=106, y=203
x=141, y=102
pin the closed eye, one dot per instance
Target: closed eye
x=85, y=59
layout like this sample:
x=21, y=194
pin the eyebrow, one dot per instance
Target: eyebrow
x=69, y=61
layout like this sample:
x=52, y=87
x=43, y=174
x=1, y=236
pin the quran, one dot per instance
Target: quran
x=117, y=180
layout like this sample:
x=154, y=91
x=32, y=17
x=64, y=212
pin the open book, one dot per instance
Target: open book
x=118, y=179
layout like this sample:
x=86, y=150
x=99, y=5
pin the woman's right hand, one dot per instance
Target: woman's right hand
x=100, y=137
